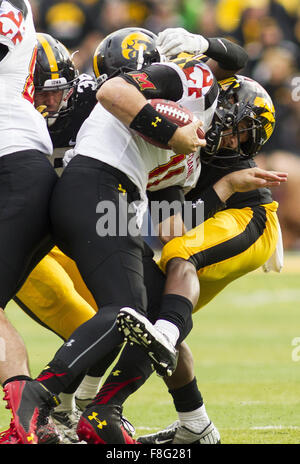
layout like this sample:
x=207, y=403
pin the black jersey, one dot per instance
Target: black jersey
x=211, y=174
x=204, y=191
x=64, y=131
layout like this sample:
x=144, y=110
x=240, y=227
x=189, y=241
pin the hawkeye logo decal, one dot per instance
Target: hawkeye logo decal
x=133, y=43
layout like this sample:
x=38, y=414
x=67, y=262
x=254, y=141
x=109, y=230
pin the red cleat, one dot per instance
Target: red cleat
x=102, y=425
x=10, y=437
x=30, y=403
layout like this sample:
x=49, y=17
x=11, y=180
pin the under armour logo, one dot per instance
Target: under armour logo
x=30, y=437
x=120, y=188
x=94, y=416
x=70, y=343
x=116, y=373
x=157, y=120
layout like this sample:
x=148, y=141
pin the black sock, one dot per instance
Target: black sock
x=128, y=375
x=74, y=385
x=178, y=310
x=56, y=377
x=187, y=398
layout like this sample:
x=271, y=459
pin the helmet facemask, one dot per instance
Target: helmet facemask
x=238, y=115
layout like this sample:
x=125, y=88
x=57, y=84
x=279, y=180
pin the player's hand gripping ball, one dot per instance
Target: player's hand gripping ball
x=175, y=113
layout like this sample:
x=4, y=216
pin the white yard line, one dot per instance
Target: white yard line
x=275, y=427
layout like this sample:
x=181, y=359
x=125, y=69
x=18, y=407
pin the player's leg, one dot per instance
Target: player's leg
x=27, y=180
x=22, y=231
x=130, y=372
x=13, y=353
x=111, y=267
x=193, y=425
x=49, y=296
x=236, y=242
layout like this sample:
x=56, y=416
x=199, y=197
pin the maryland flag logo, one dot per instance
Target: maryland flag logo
x=226, y=83
x=133, y=43
x=184, y=60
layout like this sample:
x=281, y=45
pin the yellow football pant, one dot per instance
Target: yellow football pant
x=227, y=246
x=55, y=294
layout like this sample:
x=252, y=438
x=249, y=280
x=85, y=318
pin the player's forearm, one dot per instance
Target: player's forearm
x=121, y=99
x=171, y=227
x=229, y=55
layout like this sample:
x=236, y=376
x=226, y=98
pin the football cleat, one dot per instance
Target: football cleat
x=138, y=329
x=66, y=424
x=31, y=403
x=9, y=437
x=180, y=434
x=102, y=424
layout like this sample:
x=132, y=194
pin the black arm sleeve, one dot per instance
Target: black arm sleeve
x=228, y=54
x=212, y=203
x=203, y=208
x=156, y=81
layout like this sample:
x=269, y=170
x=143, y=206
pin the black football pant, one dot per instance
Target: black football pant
x=26, y=183
x=111, y=265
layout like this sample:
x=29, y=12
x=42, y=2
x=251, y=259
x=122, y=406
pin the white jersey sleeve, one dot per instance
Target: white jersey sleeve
x=13, y=14
x=22, y=126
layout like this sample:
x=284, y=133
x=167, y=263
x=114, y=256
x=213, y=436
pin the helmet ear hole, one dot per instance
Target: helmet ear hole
x=126, y=49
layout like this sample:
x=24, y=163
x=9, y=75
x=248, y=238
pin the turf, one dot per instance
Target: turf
x=244, y=362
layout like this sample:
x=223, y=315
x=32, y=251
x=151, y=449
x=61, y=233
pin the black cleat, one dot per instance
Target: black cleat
x=138, y=329
x=31, y=403
x=102, y=425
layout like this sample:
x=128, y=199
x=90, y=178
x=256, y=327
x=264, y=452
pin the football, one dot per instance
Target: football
x=176, y=113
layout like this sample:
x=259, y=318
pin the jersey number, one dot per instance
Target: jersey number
x=166, y=170
x=28, y=91
x=11, y=21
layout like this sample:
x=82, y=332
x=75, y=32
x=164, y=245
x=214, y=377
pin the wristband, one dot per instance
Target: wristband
x=152, y=124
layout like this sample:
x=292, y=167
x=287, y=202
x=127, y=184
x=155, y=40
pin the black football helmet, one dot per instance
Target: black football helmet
x=55, y=70
x=127, y=49
x=240, y=99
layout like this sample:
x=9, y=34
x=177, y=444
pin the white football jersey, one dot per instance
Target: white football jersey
x=21, y=126
x=104, y=137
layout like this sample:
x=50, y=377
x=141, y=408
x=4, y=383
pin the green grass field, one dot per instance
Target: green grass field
x=244, y=362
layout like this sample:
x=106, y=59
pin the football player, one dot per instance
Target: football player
x=27, y=177
x=54, y=294
x=243, y=122
x=210, y=101
x=240, y=236
x=258, y=104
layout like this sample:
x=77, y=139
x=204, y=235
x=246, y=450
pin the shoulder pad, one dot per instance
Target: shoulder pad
x=186, y=59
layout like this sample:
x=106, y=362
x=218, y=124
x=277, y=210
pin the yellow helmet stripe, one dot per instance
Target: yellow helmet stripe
x=50, y=55
x=95, y=63
x=268, y=115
